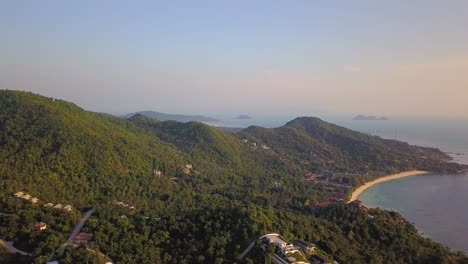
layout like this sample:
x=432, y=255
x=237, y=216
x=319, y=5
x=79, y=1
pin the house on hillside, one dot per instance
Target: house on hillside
x=58, y=206
x=48, y=205
x=157, y=173
x=34, y=200
x=26, y=197
x=285, y=247
x=83, y=239
x=68, y=208
x=19, y=194
x=357, y=204
x=40, y=226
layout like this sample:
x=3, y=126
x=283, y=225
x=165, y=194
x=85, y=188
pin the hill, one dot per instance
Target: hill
x=195, y=193
x=51, y=147
x=325, y=146
x=174, y=117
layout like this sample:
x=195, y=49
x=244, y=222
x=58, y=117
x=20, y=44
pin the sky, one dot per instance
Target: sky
x=272, y=57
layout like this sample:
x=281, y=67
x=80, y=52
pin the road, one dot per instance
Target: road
x=278, y=259
x=76, y=230
x=9, y=246
x=247, y=250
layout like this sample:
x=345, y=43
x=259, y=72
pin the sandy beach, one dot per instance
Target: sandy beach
x=367, y=185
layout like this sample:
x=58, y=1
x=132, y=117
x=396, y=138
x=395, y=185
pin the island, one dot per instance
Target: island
x=370, y=118
x=243, y=117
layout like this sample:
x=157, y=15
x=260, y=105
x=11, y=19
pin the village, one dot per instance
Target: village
x=76, y=239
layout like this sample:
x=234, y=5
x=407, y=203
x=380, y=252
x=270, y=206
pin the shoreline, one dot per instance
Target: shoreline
x=356, y=193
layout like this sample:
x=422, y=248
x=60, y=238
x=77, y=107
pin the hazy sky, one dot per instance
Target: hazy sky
x=254, y=57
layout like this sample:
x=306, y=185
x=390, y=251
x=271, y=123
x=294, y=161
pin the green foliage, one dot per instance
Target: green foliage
x=234, y=193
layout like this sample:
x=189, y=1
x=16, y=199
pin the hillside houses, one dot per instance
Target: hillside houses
x=27, y=197
x=35, y=200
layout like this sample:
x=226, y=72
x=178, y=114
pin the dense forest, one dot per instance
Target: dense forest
x=193, y=193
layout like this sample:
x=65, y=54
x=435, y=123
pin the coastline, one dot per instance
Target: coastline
x=356, y=193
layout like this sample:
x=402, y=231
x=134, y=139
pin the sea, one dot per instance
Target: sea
x=437, y=204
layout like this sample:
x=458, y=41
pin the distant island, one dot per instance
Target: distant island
x=370, y=118
x=243, y=117
x=174, y=117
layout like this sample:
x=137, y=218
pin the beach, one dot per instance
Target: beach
x=367, y=185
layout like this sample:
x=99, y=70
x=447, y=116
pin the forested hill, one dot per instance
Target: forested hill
x=326, y=146
x=58, y=150
x=170, y=192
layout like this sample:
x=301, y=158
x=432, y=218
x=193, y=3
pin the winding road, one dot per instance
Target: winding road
x=76, y=230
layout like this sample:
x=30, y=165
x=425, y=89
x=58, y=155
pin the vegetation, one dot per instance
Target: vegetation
x=233, y=193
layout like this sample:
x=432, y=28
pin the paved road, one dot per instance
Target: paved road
x=278, y=259
x=247, y=250
x=76, y=230
x=9, y=246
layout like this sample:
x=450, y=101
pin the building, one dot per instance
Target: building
x=83, y=239
x=157, y=173
x=186, y=170
x=188, y=166
x=49, y=205
x=68, y=208
x=40, y=226
x=357, y=204
x=52, y=262
x=26, y=197
x=264, y=146
x=283, y=246
x=58, y=206
x=19, y=194
x=306, y=246
x=34, y=200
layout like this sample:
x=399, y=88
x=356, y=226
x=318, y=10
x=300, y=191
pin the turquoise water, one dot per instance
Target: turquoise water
x=436, y=204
